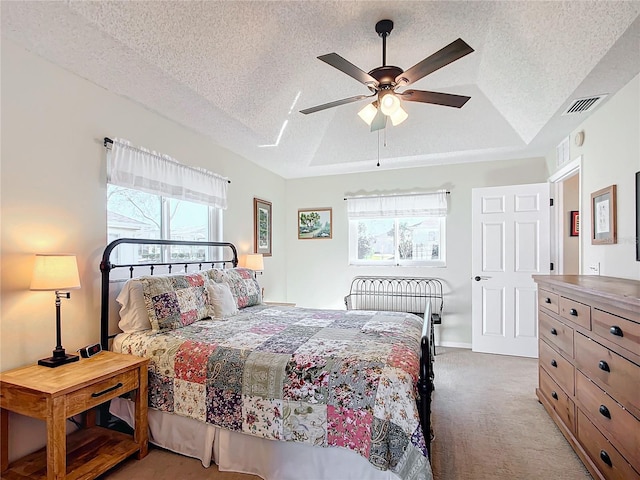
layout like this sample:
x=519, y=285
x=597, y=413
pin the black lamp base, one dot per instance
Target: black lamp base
x=53, y=362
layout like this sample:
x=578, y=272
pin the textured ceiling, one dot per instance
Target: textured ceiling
x=238, y=71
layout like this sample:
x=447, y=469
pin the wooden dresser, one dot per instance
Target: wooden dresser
x=589, y=368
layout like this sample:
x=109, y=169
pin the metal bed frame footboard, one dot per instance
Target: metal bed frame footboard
x=229, y=256
x=399, y=294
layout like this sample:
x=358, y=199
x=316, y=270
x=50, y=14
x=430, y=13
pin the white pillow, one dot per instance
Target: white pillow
x=134, y=316
x=222, y=301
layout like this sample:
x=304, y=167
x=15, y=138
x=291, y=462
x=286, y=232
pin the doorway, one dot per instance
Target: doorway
x=566, y=251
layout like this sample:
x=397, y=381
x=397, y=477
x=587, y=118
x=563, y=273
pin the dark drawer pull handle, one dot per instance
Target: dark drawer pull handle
x=554, y=395
x=604, y=366
x=617, y=331
x=554, y=331
x=573, y=312
x=110, y=389
x=604, y=411
x=554, y=363
x=605, y=458
x=547, y=300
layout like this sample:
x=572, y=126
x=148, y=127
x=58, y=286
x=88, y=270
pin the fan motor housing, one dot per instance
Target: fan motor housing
x=386, y=75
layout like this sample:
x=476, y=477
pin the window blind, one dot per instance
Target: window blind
x=397, y=206
x=151, y=172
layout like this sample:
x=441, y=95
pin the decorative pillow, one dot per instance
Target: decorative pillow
x=244, y=286
x=242, y=282
x=133, y=311
x=222, y=301
x=174, y=301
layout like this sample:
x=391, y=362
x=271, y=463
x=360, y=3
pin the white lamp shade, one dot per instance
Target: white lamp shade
x=55, y=272
x=255, y=262
x=389, y=104
x=398, y=117
x=368, y=113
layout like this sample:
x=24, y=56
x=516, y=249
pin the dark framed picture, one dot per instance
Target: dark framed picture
x=638, y=216
x=603, y=216
x=262, y=227
x=315, y=223
x=574, y=216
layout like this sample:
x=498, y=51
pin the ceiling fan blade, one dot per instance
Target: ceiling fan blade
x=349, y=68
x=437, y=98
x=379, y=121
x=452, y=52
x=335, y=104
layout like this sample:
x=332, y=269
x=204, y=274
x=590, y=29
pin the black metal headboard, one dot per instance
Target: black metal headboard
x=106, y=267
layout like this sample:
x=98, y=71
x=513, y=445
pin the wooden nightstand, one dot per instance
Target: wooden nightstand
x=282, y=304
x=55, y=394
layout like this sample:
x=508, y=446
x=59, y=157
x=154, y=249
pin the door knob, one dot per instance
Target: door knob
x=477, y=278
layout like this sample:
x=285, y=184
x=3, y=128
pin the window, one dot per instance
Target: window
x=397, y=230
x=136, y=214
x=151, y=195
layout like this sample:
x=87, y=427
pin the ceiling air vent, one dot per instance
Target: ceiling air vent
x=582, y=105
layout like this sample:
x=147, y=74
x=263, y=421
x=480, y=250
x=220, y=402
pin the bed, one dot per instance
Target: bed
x=276, y=391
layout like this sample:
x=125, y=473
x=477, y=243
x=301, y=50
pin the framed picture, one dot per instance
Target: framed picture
x=574, y=216
x=603, y=216
x=315, y=223
x=262, y=227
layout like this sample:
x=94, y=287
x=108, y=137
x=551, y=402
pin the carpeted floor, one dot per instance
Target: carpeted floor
x=487, y=421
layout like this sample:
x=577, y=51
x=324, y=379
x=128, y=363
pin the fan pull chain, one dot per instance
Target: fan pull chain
x=378, y=149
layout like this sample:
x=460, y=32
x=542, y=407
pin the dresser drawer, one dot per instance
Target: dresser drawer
x=548, y=300
x=558, y=367
x=608, y=460
x=617, y=330
x=100, y=392
x=623, y=428
x=615, y=374
x=575, y=312
x=558, y=399
x=556, y=333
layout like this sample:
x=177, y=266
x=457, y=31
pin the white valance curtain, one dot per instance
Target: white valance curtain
x=141, y=169
x=410, y=205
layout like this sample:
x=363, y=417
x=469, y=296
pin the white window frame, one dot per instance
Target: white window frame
x=396, y=261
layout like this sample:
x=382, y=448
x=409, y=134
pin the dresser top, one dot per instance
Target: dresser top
x=622, y=290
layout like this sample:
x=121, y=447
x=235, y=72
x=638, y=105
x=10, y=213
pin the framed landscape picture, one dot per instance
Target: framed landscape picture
x=315, y=223
x=262, y=227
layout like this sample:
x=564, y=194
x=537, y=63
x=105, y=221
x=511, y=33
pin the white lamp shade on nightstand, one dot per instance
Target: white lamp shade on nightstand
x=255, y=262
x=55, y=272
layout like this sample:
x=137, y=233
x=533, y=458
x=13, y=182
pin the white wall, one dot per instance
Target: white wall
x=610, y=155
x=318, y=274
x=53, y=199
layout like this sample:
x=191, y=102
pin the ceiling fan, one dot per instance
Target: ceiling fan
x=384, y=81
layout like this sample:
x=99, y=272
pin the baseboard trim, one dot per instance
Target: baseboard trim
x=454, y=345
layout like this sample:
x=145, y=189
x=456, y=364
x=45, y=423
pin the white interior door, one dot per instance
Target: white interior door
x=510, y=243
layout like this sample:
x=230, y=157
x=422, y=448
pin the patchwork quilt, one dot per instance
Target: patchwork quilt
x=320, y=377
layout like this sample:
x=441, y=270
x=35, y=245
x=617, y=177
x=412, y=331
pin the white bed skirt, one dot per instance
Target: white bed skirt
x=236, y=452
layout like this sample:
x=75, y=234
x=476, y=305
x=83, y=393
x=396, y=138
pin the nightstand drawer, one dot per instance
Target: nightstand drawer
x=548, y=300
x=575, y=312
x=558, y=367
x=100, y=392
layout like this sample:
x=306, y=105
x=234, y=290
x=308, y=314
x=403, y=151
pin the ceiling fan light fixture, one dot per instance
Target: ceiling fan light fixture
x=368, y=113
x=398, y=117
x=389, y=103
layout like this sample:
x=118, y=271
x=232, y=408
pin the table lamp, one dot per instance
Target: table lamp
x=255, y=262
x=56, y=272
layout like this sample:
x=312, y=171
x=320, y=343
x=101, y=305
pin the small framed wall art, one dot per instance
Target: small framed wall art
x=574, y=217
x=603, y=216
x=315, y=223
x=262, y=227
